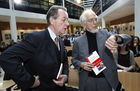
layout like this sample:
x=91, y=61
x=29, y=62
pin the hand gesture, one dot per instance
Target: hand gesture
x=61, y=80
x=37, y=82
x=111, y=43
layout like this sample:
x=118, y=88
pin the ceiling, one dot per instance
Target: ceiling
x=83, y=3
x=21, y=19
x=125, y=10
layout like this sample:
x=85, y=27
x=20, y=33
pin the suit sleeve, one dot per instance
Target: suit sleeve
x=125, y=39
x=12, y=59
x=65, y=61
x=75, y=56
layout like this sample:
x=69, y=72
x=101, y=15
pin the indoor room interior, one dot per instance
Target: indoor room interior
x=21, y=17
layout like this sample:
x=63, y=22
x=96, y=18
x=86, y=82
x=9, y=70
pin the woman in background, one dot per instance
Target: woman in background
x=135, y=46
x=124, y=58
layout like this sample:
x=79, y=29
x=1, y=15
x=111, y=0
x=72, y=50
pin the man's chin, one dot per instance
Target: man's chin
x=62, y=33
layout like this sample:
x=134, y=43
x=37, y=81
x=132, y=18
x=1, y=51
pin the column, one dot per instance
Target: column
x=103, y=23
x=137, y=17
x=13, y=25
x=63, y=1
x=102, y=18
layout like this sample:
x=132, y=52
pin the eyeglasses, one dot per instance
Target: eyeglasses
x=92, y=20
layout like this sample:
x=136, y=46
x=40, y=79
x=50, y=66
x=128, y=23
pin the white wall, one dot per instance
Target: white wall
x=137, y=18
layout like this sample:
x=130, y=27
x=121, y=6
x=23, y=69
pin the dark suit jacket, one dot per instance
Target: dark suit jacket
x=37, y=54
x=81, y=51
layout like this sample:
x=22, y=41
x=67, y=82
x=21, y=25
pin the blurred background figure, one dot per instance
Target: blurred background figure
x=124, y=58
x=114, y=30
x=66, y=41
x=135, y=46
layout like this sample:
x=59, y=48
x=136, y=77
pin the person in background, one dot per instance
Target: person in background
x=3, y=46
x=113, y=30
x=135, y=46
x=124, y=58
x=66, y=41
x=104, y=44
x=34, y=62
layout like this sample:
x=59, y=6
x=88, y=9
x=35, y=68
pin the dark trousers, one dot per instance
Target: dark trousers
x=40, y=88
x=97, y=84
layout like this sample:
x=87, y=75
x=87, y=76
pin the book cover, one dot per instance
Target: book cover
x=60, y=70
x=95, y=59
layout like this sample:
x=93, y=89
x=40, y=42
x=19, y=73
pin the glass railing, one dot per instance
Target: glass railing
x=4, y=4
x=105, y=5
x=97, y=7
x=36, y=6
x=73, y=10
x=42, y=6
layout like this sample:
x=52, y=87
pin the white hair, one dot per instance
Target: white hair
x=85, y=15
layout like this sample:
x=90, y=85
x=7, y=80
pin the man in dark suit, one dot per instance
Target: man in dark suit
x=34, y=62
x=104, y=44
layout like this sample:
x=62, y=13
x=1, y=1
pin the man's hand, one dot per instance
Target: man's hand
x=61, y=80
x=37, y=82
x=87, y=66
x=111, y=43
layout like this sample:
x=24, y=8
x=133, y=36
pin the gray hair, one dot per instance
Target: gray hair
x=85, y=15
x=53, y=12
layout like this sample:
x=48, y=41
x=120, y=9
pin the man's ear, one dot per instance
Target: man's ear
x=51, y=20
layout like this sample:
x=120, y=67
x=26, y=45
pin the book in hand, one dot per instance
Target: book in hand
x=60, y=70
x=95, y=59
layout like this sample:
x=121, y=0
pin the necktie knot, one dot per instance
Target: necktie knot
x=57, y=39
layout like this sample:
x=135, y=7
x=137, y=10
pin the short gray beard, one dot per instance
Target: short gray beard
x=93, y=31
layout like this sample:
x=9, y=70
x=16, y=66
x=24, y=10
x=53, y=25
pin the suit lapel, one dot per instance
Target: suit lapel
x=85, y=45
x=51, y=47
x=99, y=43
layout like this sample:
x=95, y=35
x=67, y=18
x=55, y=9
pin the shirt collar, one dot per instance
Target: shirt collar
x=52, y=34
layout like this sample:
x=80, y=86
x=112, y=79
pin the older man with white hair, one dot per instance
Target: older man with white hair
x=104, y=44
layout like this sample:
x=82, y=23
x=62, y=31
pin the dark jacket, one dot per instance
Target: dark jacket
x=38, y=55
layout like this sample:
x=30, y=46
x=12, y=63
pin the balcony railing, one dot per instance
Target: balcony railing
x=105, y=5
x=4, y=4
x=42, y=6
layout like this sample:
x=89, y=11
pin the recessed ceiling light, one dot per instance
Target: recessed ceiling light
x=18, y=1
x=78, y=1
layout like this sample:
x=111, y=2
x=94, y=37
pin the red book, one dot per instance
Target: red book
x=95, y=59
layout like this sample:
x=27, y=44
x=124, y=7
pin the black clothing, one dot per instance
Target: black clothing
x=124, y=60
x=136, y=51
x=92, y=45
x=92, y=42
x=34, y=56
